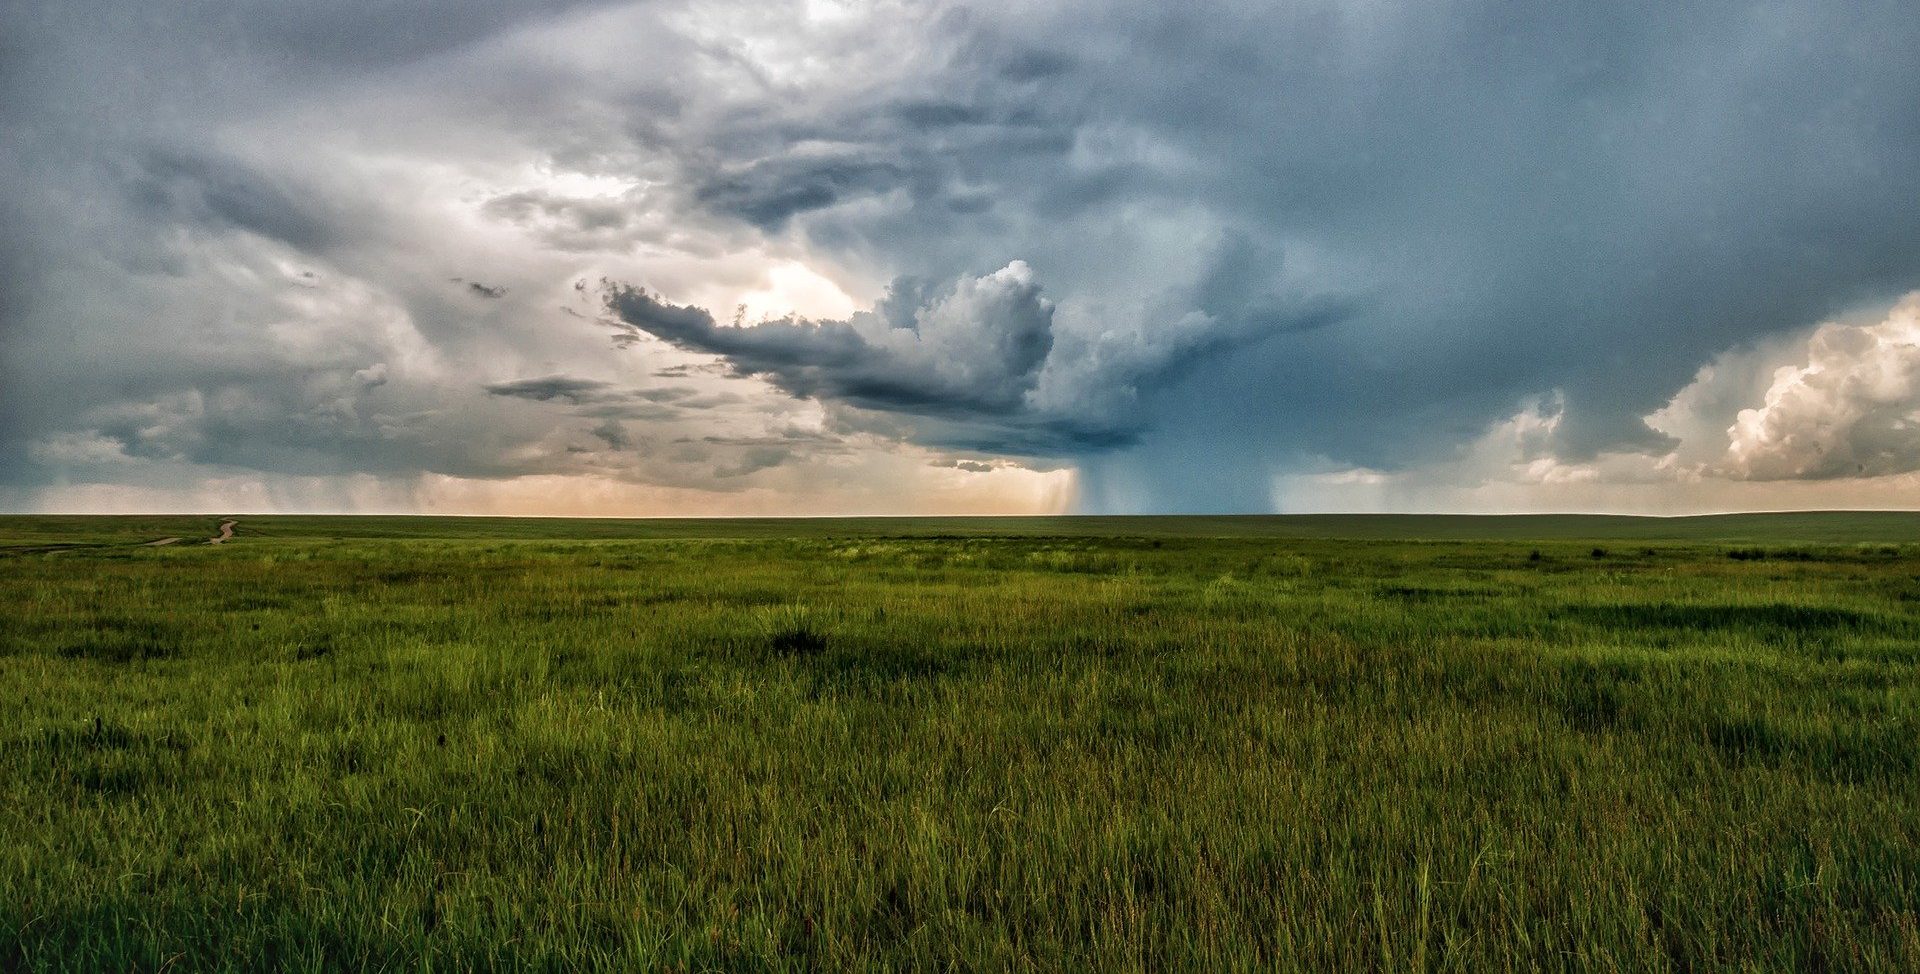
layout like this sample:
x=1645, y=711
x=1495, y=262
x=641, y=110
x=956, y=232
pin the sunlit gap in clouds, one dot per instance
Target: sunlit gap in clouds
x=1403, y=255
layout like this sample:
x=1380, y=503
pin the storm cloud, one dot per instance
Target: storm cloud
x=986, y=354
x=976, y=348
x=551, y=387
x=1175, y=254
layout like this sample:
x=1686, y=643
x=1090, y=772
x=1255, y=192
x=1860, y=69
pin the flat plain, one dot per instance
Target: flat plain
x=1295, y=743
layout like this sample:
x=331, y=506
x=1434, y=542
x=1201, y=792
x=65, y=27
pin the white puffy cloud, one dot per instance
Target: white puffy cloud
x=1820, y=417
x=1851, y=408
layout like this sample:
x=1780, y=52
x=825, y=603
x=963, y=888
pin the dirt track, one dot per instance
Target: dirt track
x=226, y=534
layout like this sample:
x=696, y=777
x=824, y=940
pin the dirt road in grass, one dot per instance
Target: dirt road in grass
x=226, y=534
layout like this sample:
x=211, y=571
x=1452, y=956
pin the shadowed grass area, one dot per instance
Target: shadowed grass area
x=479, y=744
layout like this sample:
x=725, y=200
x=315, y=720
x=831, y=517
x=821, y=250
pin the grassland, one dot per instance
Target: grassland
x=1131, y=744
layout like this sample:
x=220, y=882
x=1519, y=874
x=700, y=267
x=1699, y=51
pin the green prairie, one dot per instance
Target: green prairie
x=1341, y=743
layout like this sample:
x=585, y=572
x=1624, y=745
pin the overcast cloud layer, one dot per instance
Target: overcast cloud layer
x=815, y=257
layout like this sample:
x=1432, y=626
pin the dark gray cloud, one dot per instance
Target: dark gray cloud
x=976, y=348
x=769, y=192
x=1272, y=237
x=1595, y=200
x=970, y=466
x=551, y=387
x=615, y=434
x=599, y=399
x=569, y=223
x=753, y=460
x=171, y=186
x=983, y=354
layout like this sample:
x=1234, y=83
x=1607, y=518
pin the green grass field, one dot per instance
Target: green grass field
x=1339, y=743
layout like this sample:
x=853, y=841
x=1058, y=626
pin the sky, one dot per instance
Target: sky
x=694, y=257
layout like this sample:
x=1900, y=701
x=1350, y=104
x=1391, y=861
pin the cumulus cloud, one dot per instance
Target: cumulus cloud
x=975, y=349
x=226, y=237
x=989, y=354
x=1851, y=408
x=1827, y=416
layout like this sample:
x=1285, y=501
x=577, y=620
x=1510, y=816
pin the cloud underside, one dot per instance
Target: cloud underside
x=1184, y=253
x=986, y=357
x=976, y=350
